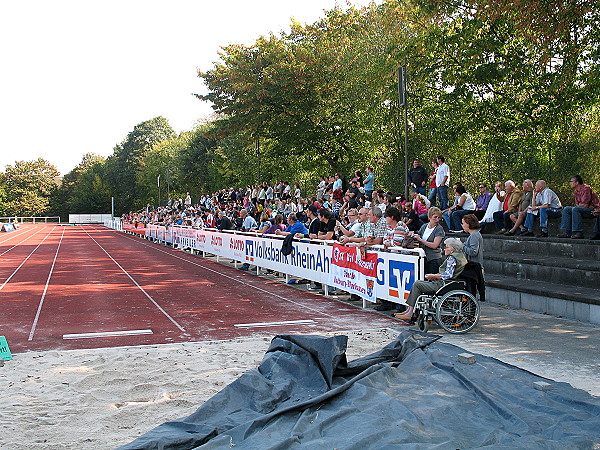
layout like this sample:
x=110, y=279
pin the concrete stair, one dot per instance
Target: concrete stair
x=550, y=275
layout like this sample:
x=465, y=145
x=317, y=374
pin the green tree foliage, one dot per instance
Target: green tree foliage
x=125, y=162
x=27, y=187
x=62, y=201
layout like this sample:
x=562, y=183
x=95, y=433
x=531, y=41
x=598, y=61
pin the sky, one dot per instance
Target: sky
x=77, y=76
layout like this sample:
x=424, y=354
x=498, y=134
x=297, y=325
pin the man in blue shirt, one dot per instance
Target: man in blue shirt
x=294, y=227
x=369, y=183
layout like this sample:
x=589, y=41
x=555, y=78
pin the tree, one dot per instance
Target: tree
x=28, y=186
x=124, y=163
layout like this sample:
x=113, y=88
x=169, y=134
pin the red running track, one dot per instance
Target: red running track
x=60, y=284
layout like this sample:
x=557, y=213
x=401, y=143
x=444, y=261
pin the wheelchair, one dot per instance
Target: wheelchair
x=453, y=307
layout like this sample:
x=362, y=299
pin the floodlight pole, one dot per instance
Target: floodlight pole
x=403, y=102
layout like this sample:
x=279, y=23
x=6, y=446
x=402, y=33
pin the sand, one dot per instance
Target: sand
x=103, y=398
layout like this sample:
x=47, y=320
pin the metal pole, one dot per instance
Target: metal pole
x=112, y=207
x=403, y=102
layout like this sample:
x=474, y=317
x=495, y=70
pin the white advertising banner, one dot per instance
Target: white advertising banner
x=395, y=272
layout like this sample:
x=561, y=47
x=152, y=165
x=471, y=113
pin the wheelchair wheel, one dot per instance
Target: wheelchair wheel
x=457, y=312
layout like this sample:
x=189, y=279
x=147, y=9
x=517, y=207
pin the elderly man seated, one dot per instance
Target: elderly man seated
x=450, y=269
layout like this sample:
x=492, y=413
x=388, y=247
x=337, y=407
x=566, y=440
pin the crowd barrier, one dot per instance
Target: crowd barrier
x=396, y=268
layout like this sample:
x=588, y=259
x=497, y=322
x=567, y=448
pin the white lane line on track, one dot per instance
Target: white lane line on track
x=137, y=284
x=16, y=245
x=39, y=310
x=273, y=324
x=106, y=334
x=25, y=260
x=232, y=278
x=14, y=235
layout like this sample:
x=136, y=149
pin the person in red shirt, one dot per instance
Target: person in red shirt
x=586, y=201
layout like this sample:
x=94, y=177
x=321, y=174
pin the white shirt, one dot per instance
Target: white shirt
x=442, y=171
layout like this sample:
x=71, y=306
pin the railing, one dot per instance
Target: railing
x=32, y=219
x=397, y=267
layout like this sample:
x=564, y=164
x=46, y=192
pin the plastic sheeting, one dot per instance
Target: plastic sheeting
x=411, y=394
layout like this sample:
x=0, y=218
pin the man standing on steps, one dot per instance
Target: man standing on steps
x=585, y=202
x=417, y=177
x=442, y=181
x=545, y=203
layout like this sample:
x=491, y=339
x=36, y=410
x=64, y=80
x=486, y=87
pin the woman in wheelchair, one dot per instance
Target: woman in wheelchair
x=450, y=269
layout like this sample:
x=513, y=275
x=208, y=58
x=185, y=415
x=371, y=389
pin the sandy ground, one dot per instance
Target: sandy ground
x=103, y=398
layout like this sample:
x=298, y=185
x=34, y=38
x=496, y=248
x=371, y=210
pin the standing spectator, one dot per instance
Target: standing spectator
x=188, y=200
x=321, y=189
x=473, y=246
x=417, y=177
x=297, y=193
x=369, y=183
x=337, y=184
x=442, y=181
x=432, y=183
x=510, y=204
x=585, y=202
x=545, y=203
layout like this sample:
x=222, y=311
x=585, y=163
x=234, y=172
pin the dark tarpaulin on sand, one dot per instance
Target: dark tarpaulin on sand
x=411, y=394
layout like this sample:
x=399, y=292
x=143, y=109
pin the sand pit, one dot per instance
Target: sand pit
x=103, y=398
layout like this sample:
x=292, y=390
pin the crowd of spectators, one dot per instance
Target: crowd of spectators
x=352, y=210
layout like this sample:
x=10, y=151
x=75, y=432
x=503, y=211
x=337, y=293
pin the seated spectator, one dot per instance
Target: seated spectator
x=396, y=230
x=495, y=204
x=351, y=227
x=463, y=204
x=379, y=225
x=430, y=237
x=248, y=221
x=510, y=204
x=314, y=225
x=277, y=225
x=450, y=269
x=518, y=217
x=265, y=223
x=473, y=246
x=483, y=201
x=223, y=222
x=327, y=231
x=412, y=220
x=545, y=203
x=364, y=228
x=585, y=202
x=596, y=235
x=294, y=227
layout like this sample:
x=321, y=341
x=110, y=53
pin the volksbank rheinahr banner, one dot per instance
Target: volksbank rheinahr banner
x=394, y=273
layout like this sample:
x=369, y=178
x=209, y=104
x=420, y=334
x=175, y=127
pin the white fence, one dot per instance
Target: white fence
x=397, y=269
x=89, y=218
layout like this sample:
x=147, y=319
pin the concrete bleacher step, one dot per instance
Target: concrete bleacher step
x=576, y=302
x=560, y=270
x=547, y=247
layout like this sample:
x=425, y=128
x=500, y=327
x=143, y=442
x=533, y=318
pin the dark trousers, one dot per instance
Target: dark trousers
x=502, y=220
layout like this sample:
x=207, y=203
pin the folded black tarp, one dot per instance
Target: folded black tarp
x=411, y=394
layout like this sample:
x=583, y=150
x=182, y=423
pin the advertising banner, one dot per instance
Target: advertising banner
x=390, y=274
x=354, y=272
